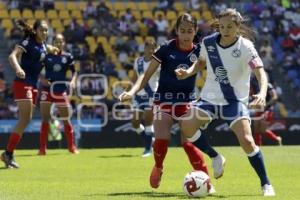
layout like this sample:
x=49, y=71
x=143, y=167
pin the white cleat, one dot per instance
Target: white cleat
x=211, y=190
x=147, y=153
x=218, y=166
x=268, y=190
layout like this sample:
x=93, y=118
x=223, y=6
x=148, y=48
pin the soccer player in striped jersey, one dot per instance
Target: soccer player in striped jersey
x=230, y=58
x=54, y=86
x=143, y=99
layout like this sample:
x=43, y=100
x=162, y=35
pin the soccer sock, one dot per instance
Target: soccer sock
x=69, y=133
x=195, y=156
x=258, y=139
x=13, y=141
x=44, y=136
x=270, y=134
x=257, y=161
x=140, y=129
x=148, y=137
x=160, y=149
x=200, y=141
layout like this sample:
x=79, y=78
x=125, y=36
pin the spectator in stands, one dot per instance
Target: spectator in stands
x=161, y=25
x=109, y=67
x=128, y=15
x=100, y=53
x=89, y=10
x=194, y=4
x=102, y=10
x=266, y=48
x=123, y=25
x=134, y=26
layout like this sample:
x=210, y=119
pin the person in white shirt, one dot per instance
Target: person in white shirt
x=230, y=59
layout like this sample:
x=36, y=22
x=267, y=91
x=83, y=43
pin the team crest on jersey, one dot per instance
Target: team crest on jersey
x=221, y=74
x=193, y=58
x=57, y=67
x=182, y=66
x=236, y=53
x=43, y=96
x=64, y=60
x=211, y=48
x=29, y=94
x=43, y=55
x=25, y=43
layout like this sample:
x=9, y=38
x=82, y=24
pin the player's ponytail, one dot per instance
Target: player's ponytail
x=237, y=18
x=29, y=31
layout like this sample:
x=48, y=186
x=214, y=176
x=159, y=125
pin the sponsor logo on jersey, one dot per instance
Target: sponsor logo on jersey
x=211, y=48
x=29, y=94
x=236, y=53
x=182, y=66
x=43, y=96
x=25, y=43
x=193, y=58
x=221, y=74
x=172, y=56
x=57, y=67
x=43, y=55
x=64, y=60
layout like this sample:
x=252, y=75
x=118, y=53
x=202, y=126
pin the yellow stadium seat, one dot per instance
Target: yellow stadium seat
x=108, y=49
x=102, y=40
x=56, y=23
x=90, y=22
x=2, y=6
x=139, y=39
x=112, y=40
x=119, y=6
x=27, y=14
x=179, y=6
x=77, y=66
x=7, y=23
x=207, y=15
x=52, y=14
x=82, y=5
x=132, y=6
x=171, y=15
x=90, y=39
x=66, y=22
x=147, y=14
x=113, y=13
x=150, y=38
x=109, y=5
x=76, y=14
x=152, y=5
x=72, y=5
x=39, y=14
x=59, y=5
x=59, y=29
x=143, y=6
x=30, y=21
x=196, y=14
x=64, y=14
x=131, y=74
x=121, y=13
x=15, y=14
x=93, y=47
x=137, y=14
x=114, y=58
x=3, y=14
x=159, y=13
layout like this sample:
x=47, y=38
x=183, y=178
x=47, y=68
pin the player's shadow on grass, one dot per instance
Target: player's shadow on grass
x=120, y=156
x=35, y=155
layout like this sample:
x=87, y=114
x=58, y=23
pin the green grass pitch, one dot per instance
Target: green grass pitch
x=122, y=174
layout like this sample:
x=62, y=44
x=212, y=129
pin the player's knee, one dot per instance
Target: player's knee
x=188, y=129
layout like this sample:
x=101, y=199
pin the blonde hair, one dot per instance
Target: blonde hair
x=238, y=19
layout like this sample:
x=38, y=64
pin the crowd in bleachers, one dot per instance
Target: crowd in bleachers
x=106, y=36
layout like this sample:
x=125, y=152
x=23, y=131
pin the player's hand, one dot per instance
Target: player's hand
x=258, y=102
x=181, y=73
x=45, y=82
x=73, y=84
x=20, y=74
x=125, y=96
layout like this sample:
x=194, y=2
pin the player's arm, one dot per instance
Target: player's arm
x=52, y=49
x=194, y=69
x=42, y=78
x=274, y=97
x=14, y=58
x=260, y=98
x=141, y=81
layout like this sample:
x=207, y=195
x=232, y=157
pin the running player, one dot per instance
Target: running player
x=144, y=98
x=172, y=96
x=54, y=91
x=260, y=125
x=229, y=58
x=27, y=61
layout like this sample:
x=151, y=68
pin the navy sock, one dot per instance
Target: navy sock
x=257, y=162
x=148, y=140
x=202, y=144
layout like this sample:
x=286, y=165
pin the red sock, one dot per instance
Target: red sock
x=195, y=156
x=258, y=139
x=69, y=134
x=271, y=135
x=13, y=141
x=44, y=136
x=160, y=149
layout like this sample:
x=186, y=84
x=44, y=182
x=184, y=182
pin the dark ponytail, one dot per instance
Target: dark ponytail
x=29, y=31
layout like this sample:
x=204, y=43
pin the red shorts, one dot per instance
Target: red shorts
x=61, y=99
x=23, y=91
x=174, y=110
x=267, y=115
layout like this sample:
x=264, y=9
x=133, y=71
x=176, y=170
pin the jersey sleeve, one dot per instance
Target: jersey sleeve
x=202, y=51
x=25, y=45
x=252, y=58
x=160, y=53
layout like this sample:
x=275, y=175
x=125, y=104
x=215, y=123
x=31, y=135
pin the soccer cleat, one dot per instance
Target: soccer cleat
x=211, y=189
x=147, y=153
x=268, y=190
x=279, y=139
x=155, y=177
x=41, y=152
x=218, y=165
x=9, y=161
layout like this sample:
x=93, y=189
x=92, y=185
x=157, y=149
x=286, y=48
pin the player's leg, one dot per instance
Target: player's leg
x=25, y=109
x=241, y=127
x=45, y=107
x=267, y=132
x=162, y=125
x=149, y=131
x=137, y=125
x=257, y=132
x=65, y=113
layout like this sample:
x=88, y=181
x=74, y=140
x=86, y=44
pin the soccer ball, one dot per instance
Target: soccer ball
x=196, y=184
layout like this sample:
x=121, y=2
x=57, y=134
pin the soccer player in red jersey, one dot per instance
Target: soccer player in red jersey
x=27, y=61
x=56, y=68
x=172, y=96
